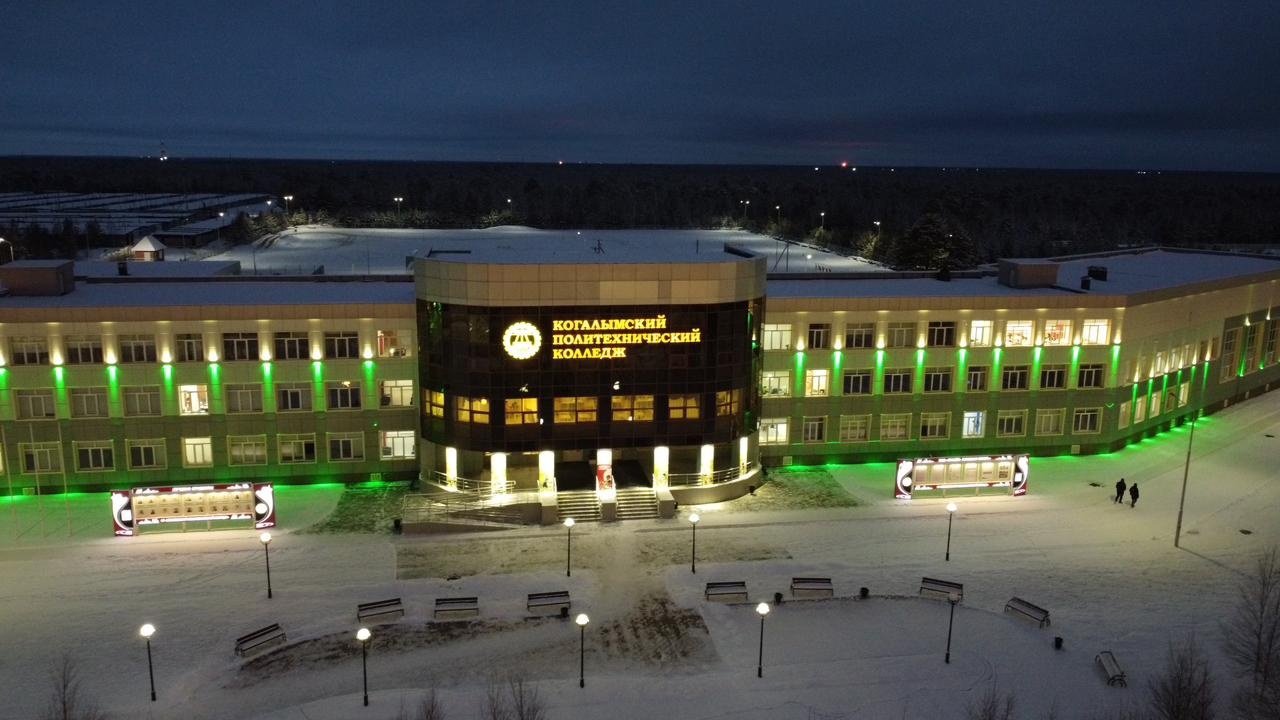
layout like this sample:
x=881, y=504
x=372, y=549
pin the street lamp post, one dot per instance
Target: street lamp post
x=762, y=609
x=287, y=199
x=952, y=598
x=777, y=214
x=951, y=513
x=1186, y=470
x=693, y=545
x=822, y=217
x=146, y=631
x=220, y=216
x=582, y=621
x=6, y=242
x=265, y=539
x=363, y=635
x=568, y=547
x=398, y=200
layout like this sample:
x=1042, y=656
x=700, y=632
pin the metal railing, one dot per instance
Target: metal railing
x=717, y=476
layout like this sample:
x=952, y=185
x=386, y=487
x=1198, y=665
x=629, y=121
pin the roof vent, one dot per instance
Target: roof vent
x=1028, y=273
x=1085, y=282
x=1098, y=272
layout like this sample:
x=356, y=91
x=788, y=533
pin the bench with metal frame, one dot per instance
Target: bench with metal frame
x=458, y=606
x=812, y=587
x=544, y=600
x=1111, y=668
x=390, y=606
x=727, y=591
x=943, y=587
x=1030, y=610
x=262, y=637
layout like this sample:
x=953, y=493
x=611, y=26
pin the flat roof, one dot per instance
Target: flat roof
x=224, y=291
x=157, y=269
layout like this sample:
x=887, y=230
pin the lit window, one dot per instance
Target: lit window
x=399, y=445
x=980, y=333
x=392, y=344
x=1095, y=332
x=1049, y=422
x=683, y=407
x=975, y=424
x=816, y=383
x=520, y=411
x=435, y=403
x=775, y=384
x=1018, y=333
x=472, y=410
x=728, y=403
x=1057, y=332
x=1139, y=409
x=1126, y=410
x=197, y=452
x=773, y=431
x=396, y=393
x=777, y=336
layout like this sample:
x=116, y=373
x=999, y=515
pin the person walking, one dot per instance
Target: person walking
x=1133, y=495
x=1120, y=491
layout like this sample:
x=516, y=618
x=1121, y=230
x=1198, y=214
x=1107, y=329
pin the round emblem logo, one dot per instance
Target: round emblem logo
x=522, y=340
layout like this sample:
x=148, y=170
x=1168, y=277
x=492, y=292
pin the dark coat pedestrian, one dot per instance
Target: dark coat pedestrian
x=1133, y=495
x=1120, y=491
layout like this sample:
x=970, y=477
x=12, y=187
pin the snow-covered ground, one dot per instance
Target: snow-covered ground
x=654, y=648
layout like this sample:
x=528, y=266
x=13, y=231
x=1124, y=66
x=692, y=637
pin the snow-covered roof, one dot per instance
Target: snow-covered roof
x=149, y=244
x=211, y=293
x=191, y=269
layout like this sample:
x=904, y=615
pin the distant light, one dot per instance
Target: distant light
x=582, y=619
x=844, y=163
x=568, y=522
x=559, y=162
x=694, y=518
x=951, y=507
x=147, y=630
x=808, y=256
x=363, y=634
x=762, y=609
x=265, y=538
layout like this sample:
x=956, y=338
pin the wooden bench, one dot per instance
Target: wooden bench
x=812, y=587
x=390, y=606
x=268, y=635
x=942, y=587
x=540, y=602
x=1031, y=610
x=1111, y=668
x=460, y=606
x=727, y=591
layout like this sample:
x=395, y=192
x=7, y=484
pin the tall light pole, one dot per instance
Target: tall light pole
x=6, y=242
x=822, y=217
x=363, y=635
x=693, y=545
x=146, y=631
x=220, y=216
x=287, y=199
x=582, y=621
x=951, y=513
x=952, y=598
x=877, y=224
x=265, y=539
x=1186, y=470
x=568, y=547
x=777, y=214
x=398, y=200
x=762, y=609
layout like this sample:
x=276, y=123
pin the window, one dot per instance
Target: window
x=1053, y=377
x=977, y=377
x=816, y=383
x=683, y=407
x=28, y=351
x=902, y=334
x=1089, y=376
x=1269, y=346
x=292, y=346
x=1184, y=394
x=392, y=344
x=297, y=449
x=246, y=450
x=239, y=346
x=1049, y=422
x=895, y=427
x=1126, y=408
x=980, y=333
x=1017, y=333
x=857, y=382
x=975, y=424
x=1140, y=409
x=860, y=335
x=1014, y=377
x=346, y=447
x=435, y=403
x=1057, y=332
x=82, y=349
x=145, y=454
x=197, y=452
x=88, y=402
x=897, y=380
x=1230, y=343
x=472, y=410
x=396, y=393
x=39, y=458
x=937, y=379
x=1086, y=421
x=942, y=334
x=1095, y=332
x=773, y=431
x=777, y=337
x=819, y=335
x=398, y=445
x=855, y=428
x=935, y=426
x=190, y=347
x=341, y=345
x=520, y=411
x=343, y=395
x=814, y=429
x=34, y=404
x=142, y=401
x=94, y=456
x=729, y=402
x=1010, y=423
x=137, y=348
x=570, y=410
x=193, y=399
x=293, y=397
x=244, y=399
x=775, y=383
x=636, y=408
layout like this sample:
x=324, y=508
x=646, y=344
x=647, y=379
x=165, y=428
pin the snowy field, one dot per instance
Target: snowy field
x=654, y=648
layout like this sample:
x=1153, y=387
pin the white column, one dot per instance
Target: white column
x=604, y=470
x=706, y=463
x=661, y=466
x=547, y=471
x=451, y=468
x=498, y=473
x=744, y=446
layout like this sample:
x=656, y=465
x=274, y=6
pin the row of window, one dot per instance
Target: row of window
x=572, y=410
x=930, y=426
x=817, y=382
x=144, y=400
x=974, y=333
x=1257, y=351
x=190, y=347
x=197, y=452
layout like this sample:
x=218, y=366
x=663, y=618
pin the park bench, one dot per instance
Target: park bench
x=812, y=587
x=268, y=635
x=460, y=606
x=1111, y=668
x=1030, y=610
x=540, y=602
x=942, y=587
x=728, y=591
x=390, y=606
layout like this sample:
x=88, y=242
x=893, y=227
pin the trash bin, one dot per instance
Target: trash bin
x=864, y=593
x=777, y=598
x=396, y=527
x=564, y=612
x=1057, y=642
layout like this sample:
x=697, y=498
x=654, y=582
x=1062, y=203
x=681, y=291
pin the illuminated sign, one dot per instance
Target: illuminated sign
x=609, y=338
x=251, y=502
x=522, y=340
x=956, y=473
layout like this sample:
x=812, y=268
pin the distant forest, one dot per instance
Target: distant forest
x=928, y=217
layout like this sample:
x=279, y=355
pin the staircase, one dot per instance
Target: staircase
x=581, y=505
x=637, y=503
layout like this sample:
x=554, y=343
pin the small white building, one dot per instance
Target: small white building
x=148, y=249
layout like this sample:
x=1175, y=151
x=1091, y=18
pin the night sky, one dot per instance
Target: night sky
x=1113, y=84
